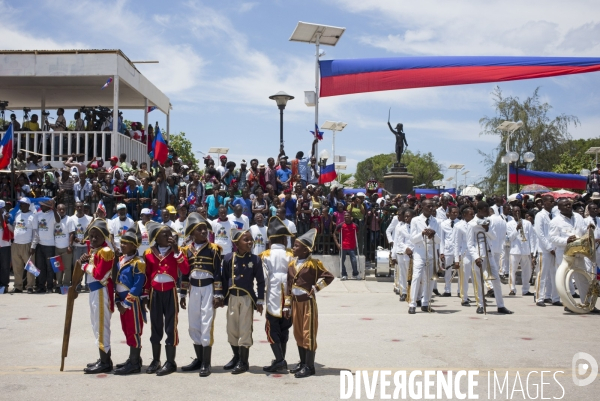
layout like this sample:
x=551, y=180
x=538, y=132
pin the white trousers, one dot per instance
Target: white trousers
x=505, y=260
x=421, y=280
x=201, y=315
x=546, y=288
x=401, y=275
x=100, y=315
x=496, y=284
x=448, y=273
x=478, y=288
x=466, y=271
x=525, y=262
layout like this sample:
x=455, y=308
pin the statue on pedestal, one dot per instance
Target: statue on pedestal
x=400, y=140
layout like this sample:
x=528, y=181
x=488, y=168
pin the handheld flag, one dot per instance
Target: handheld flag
x=30, y=267
x=101, y=207
x=597, y=273
x=317, y=134
x=107, y=83
x=64, y=290
x=191, y=200
x=328, y=174
x=6, y=147
x=161, y=151
x=57, y=264
x=151, y=108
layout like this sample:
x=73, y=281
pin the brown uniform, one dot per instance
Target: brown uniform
x=303, y=280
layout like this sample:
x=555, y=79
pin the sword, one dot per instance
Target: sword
x=389, y=112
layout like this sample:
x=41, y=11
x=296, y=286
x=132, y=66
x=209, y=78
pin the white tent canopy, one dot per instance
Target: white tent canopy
x=471, y=190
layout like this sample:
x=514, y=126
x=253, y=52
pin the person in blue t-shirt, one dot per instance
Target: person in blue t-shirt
x=245, y=202
x=284, y=175
x=290, y=205
x=212, y=204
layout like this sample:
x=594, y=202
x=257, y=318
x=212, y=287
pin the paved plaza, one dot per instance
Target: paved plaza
x=362, y=326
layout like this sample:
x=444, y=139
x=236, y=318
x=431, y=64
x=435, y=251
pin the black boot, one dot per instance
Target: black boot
x=242, y=366
x=297, y=368
x=283, y=348
x=197, y=362
x=309, y=367
x=104, y=366
x=205, y=369
x=155, y=365
x=279, y=362
x=170, y=366
x=133, y=364
x=234, y=361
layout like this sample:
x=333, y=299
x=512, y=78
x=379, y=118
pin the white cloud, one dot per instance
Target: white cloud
x=245, y=7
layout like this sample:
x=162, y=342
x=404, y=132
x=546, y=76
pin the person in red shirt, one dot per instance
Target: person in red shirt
x=97, y=265
x=163, y=261
x=348, y=232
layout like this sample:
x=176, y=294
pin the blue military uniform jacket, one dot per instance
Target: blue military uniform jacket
x=208, y=259
x=132, y=275
x=240, y=271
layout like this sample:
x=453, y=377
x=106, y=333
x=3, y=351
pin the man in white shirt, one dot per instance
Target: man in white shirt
x=402, y=250
x=222, y=226
x=44, y=226
x=81, y=221
x=441, y=213
x=519, y=232
x=389, y=232
x=496, y=243
x=546, y=281
x=447, y=248
x=23, y=247
x=424, y=235
x=239, y=219
x=118, y=226
x=259, y=234
x=462, y=257
x=289, y=224
x=498, y=206
x=64, y=235
x=505, y=255
x=179, y=223
x=145, y=216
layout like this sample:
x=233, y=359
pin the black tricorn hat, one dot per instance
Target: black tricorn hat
x=237, y=234
x=308, y=239
x=99, y=224
x=154, y=228
x=133, y=236
x=195, y=220
x=277, y=228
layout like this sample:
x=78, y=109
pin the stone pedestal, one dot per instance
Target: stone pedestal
x=398, y=180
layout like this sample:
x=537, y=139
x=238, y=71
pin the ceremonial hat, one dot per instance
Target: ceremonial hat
x=100, y=225
x=308, y=239
x=276, y=228
x=154, y=228
x=237, y=234
x=195, y=220
x=133, y=235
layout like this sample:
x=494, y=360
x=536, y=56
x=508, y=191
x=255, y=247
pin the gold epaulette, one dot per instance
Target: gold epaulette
x=216, y=247
x=106, y=254
x=140, y=264
x=289, y=252
x=148, y=251
x=265, y=254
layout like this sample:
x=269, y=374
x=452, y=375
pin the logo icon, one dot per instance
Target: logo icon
x=584, y=364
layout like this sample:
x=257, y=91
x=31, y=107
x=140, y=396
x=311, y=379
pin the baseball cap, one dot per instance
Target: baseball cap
x=121, y=206
x=114, y=159
x=26, y=188
x=25, y=200
x=146, y=211
x=2, y=204
x=171, y=209
x=360, y=194
x=223, y=157
x=243, y=162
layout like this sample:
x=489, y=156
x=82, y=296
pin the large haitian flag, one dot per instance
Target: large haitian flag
x=547, y=179
x=342, y=77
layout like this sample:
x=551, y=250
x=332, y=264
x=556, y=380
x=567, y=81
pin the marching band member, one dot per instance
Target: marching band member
x=462, y=255
x=240, y=271
x=593, y=219
x=130, y=286
x=441, y=213
x=395, y=254
x=447, y=247
x=206, y=290
x=403, y=251
x=276, y=262
x=98, y=267
x=306, y=276
x=564, y=229
x=496, y=243
x=424, y=231
x=506, y=215
x=164, y=260
x=519, y=232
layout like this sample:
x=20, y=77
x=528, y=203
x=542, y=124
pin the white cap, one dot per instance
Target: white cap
x=25, y=200
x=2, y=204
x=185, y=166
x=146, y=211
x=360, y=194
x=26, y=188
x=121, y=206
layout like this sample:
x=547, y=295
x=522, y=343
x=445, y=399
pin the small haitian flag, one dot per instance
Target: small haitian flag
x=64, y=290
x=57, y=264
x=30, y=267
x=597, y=273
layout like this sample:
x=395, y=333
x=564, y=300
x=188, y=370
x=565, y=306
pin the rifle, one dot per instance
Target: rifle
x=72, y=294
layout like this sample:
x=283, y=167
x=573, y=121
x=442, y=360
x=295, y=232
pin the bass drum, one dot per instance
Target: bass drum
x=564, y=275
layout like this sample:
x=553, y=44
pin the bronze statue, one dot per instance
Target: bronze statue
x=400, y=140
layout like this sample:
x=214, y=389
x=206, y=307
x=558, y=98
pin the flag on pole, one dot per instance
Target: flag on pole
x=30, y=267
x=151, y=108
x=107, y=83
x=597, y=273
x=161, y=151
x=316, y=133
x=6, y=147
x=57, y=264
x=328, y=174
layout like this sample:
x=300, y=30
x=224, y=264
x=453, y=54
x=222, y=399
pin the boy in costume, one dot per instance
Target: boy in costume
x=306, y=276
x=163, y=262
x=240, y=270
x=129, y=289
x=276, y=262
x=206, y=290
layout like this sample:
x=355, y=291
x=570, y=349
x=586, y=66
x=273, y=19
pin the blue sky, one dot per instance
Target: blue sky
x=219, y=62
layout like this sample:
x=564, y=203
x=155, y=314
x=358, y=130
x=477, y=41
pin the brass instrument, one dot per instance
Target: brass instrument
x=409, y=278
x=429, y=274
x=584, y=246
x=482, y=240
x=523, y=237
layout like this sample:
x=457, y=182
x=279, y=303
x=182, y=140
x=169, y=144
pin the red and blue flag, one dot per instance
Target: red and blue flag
x=191, y=200
x=316, y=133
x=597, y=273
x=328, y=174
x=151, y=108
x=57, y=264
x=6, y=146
x=107, y=83
x=159, y=147
x=30, y=267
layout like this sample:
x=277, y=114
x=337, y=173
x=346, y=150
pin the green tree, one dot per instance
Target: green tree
x=540, y=134
x=183, y=147
x=573, y=157
x=423, y=166
x=344, y=179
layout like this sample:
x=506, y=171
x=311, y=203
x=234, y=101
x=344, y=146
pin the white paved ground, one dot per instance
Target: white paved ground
x=362, y=326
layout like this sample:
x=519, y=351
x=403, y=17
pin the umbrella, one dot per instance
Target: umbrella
x=562, y=193
x=470, y=190
x=534, y=189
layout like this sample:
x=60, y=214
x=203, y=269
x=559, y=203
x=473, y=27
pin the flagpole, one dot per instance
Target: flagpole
x=12, y=166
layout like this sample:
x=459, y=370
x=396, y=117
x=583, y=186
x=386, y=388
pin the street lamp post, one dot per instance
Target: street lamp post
x=509, y=127
x=281, y=98
x=528, y=157
x=333, y=127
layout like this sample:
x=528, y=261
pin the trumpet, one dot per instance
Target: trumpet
x=485, y=259
x=523, y=238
